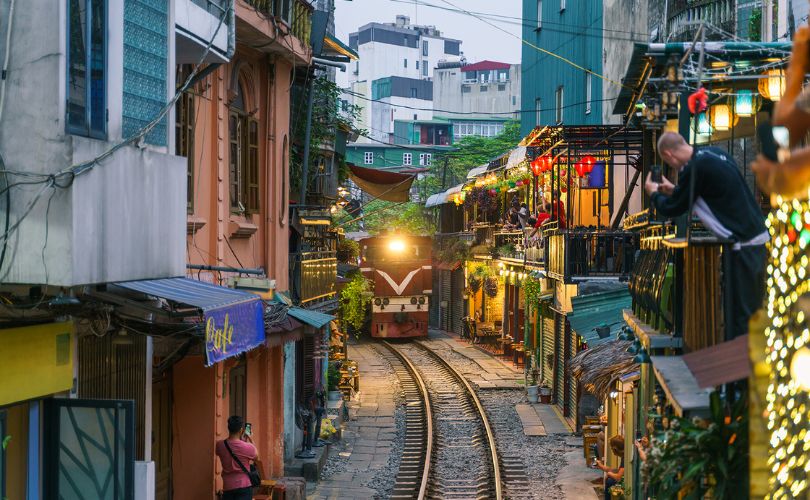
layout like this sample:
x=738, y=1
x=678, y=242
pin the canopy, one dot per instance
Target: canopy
x=599, y=313
x=388, y=186
x=680, y=386
x=475, y=172
x=436, y=200
x=234, y=319
x=720, y=364
x=312, y=318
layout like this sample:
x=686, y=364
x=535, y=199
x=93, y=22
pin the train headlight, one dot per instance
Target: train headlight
x=421, y=300
x=377, y=301
x=413, y=300
x=396, y=245
x=386, y=301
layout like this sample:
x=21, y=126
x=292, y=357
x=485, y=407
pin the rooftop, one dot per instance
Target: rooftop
x=486, y=65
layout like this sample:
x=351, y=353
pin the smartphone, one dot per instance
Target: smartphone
x=248, y=430
x=771, y=139
x=656, y=174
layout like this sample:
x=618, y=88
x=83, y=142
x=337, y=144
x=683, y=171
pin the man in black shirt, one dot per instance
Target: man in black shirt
x=726, y=207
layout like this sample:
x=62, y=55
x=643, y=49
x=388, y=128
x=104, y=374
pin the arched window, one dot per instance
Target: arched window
x=243, y=138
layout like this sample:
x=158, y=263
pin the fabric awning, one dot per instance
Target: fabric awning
x=597, y=313
x=475, y=172
x=720, y=364
x=680, y=386
x=335, y=45
x=388, y=186
x=435, y=200
x=234, y=319
x=309, y=317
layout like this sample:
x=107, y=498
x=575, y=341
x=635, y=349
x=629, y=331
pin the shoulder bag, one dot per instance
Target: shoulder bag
x=252, y=474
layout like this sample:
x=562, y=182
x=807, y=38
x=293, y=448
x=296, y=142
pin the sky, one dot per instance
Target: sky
x=479, y=40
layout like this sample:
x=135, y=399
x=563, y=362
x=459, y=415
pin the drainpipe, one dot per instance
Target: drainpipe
x=231, y=30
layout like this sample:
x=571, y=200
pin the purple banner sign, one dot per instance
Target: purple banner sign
x=232, y=330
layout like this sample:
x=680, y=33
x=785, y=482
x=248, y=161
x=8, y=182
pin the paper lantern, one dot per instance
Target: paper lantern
x=492, y=192
x=537, y=166
x=580, y=168
x=773, y=86
x=588, y=162
x=703, y=125
x=744, y=103
x=721, y=117
x=511, y=184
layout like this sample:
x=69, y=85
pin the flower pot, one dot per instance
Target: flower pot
x=531, y=393
x=335, y=395
x=545, y=395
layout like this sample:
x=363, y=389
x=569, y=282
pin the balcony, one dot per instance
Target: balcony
x=196, y=23
x=585, y=254
x=314, y=276
x=510, y=245
x=282, y=27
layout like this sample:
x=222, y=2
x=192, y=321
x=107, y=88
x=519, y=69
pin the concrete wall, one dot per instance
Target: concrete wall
x=632, y=16
x=128, y=208
x=475, y=101
x=385, y=112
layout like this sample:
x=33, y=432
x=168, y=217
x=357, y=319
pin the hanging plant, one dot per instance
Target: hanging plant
x=354, y=302
x=347, y=251
x=533, y=288
x=474, y=282
x=491, y=287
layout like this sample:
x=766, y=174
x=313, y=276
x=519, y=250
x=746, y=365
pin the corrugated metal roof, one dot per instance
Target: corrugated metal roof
x=485, y=65
x=436, y=200
x=312, y=318
x=191, y=292
x=475, y=172
x=598, y=310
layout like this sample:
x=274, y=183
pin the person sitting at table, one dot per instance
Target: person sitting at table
x=613, y=476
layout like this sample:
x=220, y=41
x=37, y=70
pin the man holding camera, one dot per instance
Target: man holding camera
x=726, y=207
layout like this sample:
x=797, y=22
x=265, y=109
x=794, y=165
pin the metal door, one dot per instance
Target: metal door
x=88, y=449
x=560, y=386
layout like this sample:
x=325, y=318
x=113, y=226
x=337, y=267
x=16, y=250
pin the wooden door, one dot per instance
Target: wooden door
x=162, y=436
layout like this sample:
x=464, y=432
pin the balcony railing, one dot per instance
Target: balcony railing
x=302, y=21
x=574, y=255
x=296, y=13
x=314, y=275
x=510, y=244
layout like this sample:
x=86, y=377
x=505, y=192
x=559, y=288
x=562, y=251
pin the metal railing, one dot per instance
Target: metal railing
x=302, y=21
x=296, y=13
x=510, y=244
x=314, y=275
x=577, y=254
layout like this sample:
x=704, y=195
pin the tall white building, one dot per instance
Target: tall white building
x=395, y=60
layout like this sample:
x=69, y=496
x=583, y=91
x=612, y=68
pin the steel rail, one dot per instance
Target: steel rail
x=422, y=493
x=496, y=468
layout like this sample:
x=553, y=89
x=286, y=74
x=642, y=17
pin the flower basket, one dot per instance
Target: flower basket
x=491, y=287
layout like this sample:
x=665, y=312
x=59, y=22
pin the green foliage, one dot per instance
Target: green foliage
x=470, y=152
x=6, y=441
x=326, y=117
x=381, y=216
x=755, y=25
x=458, y=250
x=332, y=377
x=533, y=289
x=355, y=301
x=702, y=458
x=347, y=250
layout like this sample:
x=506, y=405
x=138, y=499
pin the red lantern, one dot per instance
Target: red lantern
x=537, y=166
x=492, y=192
x=588, y=161
x=580, y=168
x=549, y=163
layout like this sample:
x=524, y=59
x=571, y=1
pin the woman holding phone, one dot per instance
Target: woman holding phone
x=236, y=453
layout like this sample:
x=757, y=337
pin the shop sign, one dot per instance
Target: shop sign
x=232, y=330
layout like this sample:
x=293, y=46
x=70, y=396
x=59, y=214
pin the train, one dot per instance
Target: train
x=400, y=268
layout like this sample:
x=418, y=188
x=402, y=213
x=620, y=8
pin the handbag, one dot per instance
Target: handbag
x=252, y=474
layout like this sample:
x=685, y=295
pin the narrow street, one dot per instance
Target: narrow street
x=530, y=437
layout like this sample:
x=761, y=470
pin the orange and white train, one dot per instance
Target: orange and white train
x=400, y=268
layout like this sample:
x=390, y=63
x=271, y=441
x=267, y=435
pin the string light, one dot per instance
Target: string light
x=787, y=355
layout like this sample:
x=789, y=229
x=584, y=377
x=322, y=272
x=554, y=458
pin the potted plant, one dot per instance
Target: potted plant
x=491, y=286
x=544, y=393
x=333, y=381
x=617, y=490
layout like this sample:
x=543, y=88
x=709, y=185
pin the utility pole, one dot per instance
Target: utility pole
x=444, y=172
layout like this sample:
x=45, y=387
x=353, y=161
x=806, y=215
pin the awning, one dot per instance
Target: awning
x=234, y=319
x=446, y=266
x=436, y=200
x=516, y=157
x=335, y=45
x=475, y=172
x=597, y=367
x=388, y=186
x=720, y=364
x=312, y=318
x=680, y=386
x=597, y=317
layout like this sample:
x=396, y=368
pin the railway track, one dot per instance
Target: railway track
x=448, y=434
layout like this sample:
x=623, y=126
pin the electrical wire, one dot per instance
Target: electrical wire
x=4, y=70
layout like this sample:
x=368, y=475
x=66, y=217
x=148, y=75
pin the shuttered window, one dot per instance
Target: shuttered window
x=184, y=141
x=237, y=389
x=243, y=139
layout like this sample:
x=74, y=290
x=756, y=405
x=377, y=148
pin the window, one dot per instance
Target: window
x=184, y=141
x=538, y=109
x=562, y=5
x=87, y=68
x=414, y=92
x=501, y=88
x=559, y=104
x=368, y=158
x=424, y=47
x=514, y=100
x=425, y=69
x=405, y=62
x=428, y=159
x=588, y=93
x=407, y=159
x=469, y=76
x=237, y=389
x=417, y=65
x=424, y=159
x=243, y=138
x=539, y=14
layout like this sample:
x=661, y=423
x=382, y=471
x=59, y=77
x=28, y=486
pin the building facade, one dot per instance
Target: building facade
x=477, y=98
x=398, y=49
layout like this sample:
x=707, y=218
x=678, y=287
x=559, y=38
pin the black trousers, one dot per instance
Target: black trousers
x=747, y=280
x=238, y=494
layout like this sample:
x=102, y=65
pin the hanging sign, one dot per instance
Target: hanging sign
x=232, y=330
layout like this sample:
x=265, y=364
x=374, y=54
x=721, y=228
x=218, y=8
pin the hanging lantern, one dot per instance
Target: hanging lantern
x=492, y=192
x=580, y=168
x=721, y=117
x=537, y=166
x=511, y=184
x=744, y=103
x=773, y=85
x=703, y=125
x=588, y=162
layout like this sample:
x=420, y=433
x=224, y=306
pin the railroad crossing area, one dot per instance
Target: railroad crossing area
x=484, y=440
